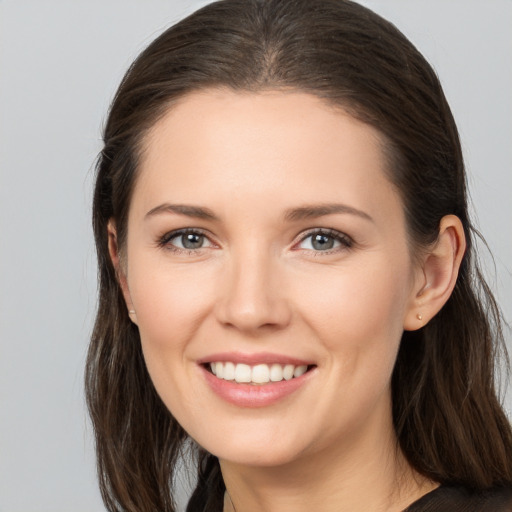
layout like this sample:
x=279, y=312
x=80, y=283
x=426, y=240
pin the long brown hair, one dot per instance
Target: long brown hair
x=449, y=422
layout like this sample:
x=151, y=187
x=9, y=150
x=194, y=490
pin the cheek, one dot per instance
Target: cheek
x=358, y=314
x=363, y=295
x=357, y=317
x=171, y=305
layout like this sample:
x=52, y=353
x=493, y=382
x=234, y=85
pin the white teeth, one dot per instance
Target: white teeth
x=258, y=374
x=288, y=371
x=300, y=370
x=229, y=371
x=276, y=373
x=243, y=373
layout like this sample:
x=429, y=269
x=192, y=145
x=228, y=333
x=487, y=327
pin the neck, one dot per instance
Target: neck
x=356, y=476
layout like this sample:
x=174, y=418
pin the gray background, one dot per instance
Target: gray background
x=60, y=62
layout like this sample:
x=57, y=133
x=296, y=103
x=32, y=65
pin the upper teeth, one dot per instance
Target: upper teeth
x=259, y=374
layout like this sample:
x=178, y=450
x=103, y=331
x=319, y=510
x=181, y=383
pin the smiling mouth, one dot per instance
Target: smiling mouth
x=259, y=374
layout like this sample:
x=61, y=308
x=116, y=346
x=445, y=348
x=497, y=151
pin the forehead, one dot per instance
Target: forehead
x=217, y=145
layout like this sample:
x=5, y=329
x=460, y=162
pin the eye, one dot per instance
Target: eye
x=187, y=239
x=325, y=240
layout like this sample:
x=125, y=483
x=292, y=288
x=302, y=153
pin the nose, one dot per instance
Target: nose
x=252, y=296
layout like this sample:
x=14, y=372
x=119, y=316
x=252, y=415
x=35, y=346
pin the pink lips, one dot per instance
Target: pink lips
x=250, y=395
x=253, y=359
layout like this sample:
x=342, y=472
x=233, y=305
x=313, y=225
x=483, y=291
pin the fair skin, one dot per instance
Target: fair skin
x=296, y=249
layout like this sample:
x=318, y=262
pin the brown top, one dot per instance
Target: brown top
x=458, y=499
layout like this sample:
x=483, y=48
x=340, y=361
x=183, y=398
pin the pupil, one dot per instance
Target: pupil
x=192, y=240
x=322, y=242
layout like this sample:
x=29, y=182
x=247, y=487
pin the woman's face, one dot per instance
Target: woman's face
x=265, y=238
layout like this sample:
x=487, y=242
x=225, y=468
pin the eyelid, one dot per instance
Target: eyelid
x=346, y=242
x=163, y=241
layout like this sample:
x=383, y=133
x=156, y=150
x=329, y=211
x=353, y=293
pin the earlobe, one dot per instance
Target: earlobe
x=113, y=249
x=440, y=269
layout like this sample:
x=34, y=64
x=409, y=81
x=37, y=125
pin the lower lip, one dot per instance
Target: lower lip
x=250, y=395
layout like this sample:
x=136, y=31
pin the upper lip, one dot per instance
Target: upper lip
x=253, y=359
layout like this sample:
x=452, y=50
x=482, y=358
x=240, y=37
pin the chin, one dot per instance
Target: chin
x=269, y=458
x=256, y=450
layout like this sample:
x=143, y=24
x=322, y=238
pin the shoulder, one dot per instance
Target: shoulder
x=459, y=499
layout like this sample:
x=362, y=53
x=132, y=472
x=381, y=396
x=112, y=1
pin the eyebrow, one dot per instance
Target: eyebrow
x=314, y=211
x=291, y=215
x=196, y=212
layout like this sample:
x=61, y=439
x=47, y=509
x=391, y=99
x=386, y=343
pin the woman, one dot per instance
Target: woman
x=287, y=283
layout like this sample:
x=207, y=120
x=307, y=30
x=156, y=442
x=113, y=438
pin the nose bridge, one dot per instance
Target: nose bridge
x=252, y=296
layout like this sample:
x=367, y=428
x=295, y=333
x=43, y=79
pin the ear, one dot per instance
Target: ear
x=439, y=271
x=113, y=249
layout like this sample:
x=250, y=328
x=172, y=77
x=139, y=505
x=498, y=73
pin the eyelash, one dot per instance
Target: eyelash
x=164, y=241
x=345, y=241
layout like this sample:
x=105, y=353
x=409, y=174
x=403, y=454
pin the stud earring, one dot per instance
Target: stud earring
x=131, y=311
x=419, y=317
